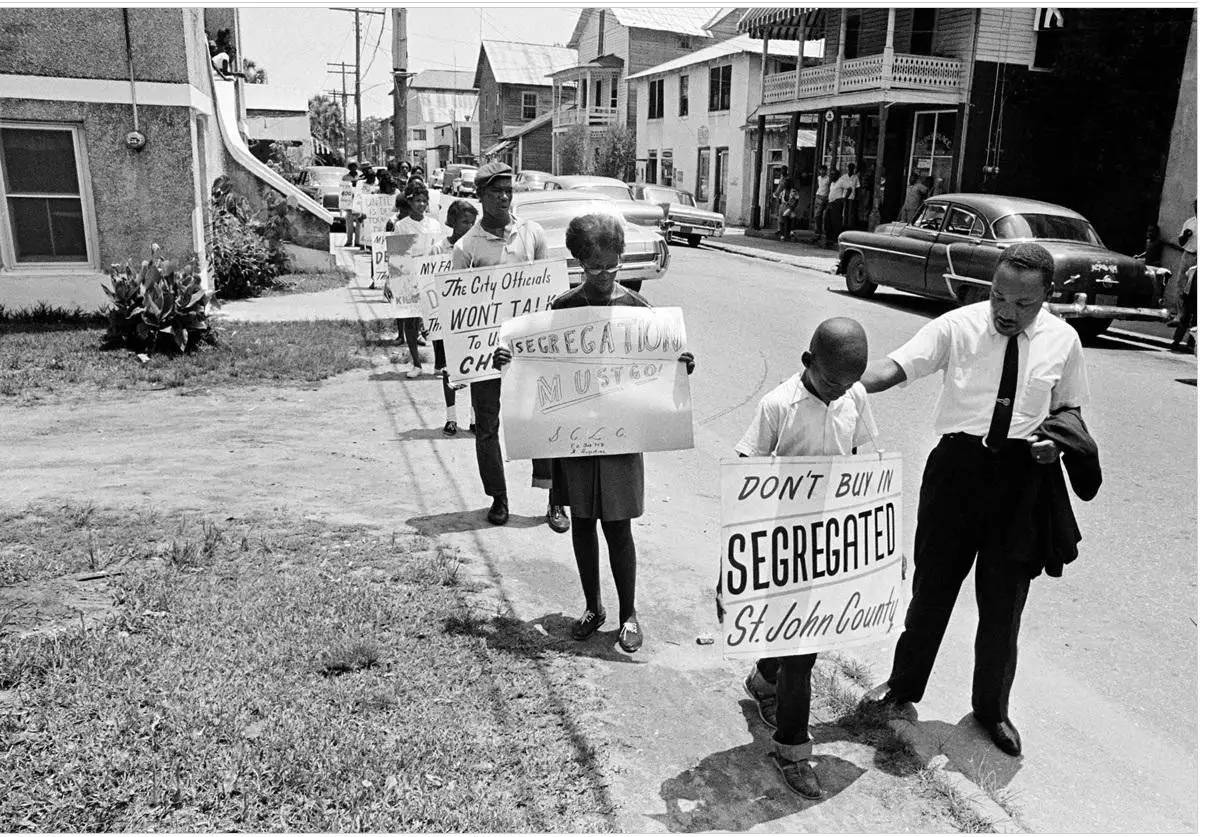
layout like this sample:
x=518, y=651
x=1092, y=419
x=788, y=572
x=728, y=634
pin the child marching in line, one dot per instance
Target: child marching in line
x=824, y=411
x=411, y=217
x=460, y=217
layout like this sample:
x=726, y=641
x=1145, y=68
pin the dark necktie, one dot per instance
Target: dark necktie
x=1001, y=418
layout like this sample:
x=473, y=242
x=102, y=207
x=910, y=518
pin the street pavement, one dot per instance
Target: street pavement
x=1105, y=696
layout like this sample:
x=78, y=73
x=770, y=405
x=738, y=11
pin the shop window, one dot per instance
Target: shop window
x=702, y=174
x=923, y=28
x=652, y=165
x=654, y=104
x=852, y=35
x=684, y=95
x=41, y=183
x=528, y=106
x=719, y=88
x=932, y=147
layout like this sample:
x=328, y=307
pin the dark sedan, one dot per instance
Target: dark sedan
x=949, y=250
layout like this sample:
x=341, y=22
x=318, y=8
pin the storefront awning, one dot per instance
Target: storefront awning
x=781, y=23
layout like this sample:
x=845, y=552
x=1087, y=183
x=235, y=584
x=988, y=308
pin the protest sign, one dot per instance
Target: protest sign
x=411, y=279
x=811, y=553
x=595, y=381
x=474, y=303
x=347, y=193
x=377, y=209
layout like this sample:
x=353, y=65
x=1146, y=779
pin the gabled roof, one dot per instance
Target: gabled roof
x=519, y=63
x=441, y=106
x=443, y=80
x=680, y=20
x=733, y=46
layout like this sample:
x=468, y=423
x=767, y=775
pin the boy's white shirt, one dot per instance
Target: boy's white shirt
x=792, y=422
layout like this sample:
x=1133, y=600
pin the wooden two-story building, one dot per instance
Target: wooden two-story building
x=981, y=99
x=610, y=46
x=513, y=80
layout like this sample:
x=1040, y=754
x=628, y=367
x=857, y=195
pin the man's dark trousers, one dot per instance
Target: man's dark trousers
x=485, y=399
x=965, y=486
x=791, y=675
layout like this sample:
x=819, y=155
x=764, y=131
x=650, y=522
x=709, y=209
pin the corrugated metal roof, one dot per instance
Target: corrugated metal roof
x=443, y=80
x=519, y=63
x=435, y=106
x=683, y=21
x=734, y=46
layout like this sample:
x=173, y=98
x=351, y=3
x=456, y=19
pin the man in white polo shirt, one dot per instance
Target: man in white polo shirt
x=500, y=237
x=1008, y=365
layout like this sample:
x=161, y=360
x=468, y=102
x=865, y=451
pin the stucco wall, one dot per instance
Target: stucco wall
x=91, y=43
x=139, y=197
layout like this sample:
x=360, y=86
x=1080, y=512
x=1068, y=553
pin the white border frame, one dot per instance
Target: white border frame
x=8, y=248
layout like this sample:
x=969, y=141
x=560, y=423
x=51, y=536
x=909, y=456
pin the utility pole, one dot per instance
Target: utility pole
x=401, y=76
x=344, y=69
x=357, y=64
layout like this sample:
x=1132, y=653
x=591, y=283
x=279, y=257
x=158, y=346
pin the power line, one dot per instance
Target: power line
x=377, y=47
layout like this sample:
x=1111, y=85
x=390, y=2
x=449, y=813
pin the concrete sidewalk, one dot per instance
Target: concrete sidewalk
x=797, y=253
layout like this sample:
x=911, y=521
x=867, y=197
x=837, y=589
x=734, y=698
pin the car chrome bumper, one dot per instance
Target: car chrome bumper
x=1080, y=308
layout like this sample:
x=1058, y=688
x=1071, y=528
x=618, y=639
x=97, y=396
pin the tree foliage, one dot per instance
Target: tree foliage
x=327, y=120
x=254, y=74
x=617, y=153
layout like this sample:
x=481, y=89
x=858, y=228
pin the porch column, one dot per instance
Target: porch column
x=888, y=52
x=583, y=117
x=795, y=121
x=879, y=170
x=763, y=65
x=557, y=98
x=839, y=52
x=754, y=221
x=797, y=75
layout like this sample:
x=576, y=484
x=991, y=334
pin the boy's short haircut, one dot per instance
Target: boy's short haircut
x=460, y=209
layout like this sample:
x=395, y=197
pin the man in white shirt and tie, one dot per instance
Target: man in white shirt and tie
x=1007, y=365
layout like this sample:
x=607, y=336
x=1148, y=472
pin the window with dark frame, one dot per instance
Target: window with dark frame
x=719, y=88
x=654, y=107
x=613, y=93
x=852, y=35
x=41, y=183
x=683, y=96
x=923, y=30
x=598, y=93
x=528, y=106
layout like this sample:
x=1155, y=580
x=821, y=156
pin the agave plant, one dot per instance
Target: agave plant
x=158, y=304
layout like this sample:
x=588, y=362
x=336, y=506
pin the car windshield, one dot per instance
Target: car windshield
x=656, y=195
x=617, y=193
x=1053, y=227
x=326, y=176
x=686, y=199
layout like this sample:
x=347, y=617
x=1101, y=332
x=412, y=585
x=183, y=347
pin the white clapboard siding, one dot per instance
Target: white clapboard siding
x=1006, y=36
x=954, y=33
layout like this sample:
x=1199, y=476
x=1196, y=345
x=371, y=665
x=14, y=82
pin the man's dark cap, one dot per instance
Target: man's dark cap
x=490, y=172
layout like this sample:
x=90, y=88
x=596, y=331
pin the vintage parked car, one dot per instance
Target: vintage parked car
x=949, y=249
x=685, y=218
x=636, y=212
x=436, y=178
x=322, y=183
x=530, y=180
x=646, y=254
x=463, y=187
x=453, y=174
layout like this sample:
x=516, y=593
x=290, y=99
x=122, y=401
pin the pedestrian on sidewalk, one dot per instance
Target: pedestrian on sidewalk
x=787, y=194
x=916, y=193
x=367, y=186
x=350, y=214
x=822, y=188
x=459, y=218
x=499, y=237
x=609, y=489
x=851, y=183
x=412, y=218
x=1187, y=243
x=1187, y=319
x=824, y=411
x=992, y=497
x=833, y=218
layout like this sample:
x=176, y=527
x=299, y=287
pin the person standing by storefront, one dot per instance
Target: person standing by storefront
x=500, y=237
x=788, y=195
x=833, y=218
x=851, y=184
x=916, y=193
x=992, y=497
x=822, y=187
x=1187, y=243
x=350, y=215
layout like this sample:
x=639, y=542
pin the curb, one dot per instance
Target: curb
x=760, y=254
x=937, y=764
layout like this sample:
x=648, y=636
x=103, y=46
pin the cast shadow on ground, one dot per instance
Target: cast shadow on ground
x=904, y=302
x=740, y=789
x=434, y=433
x=507, y=633
x=1189, y=381
x=401, y=375
x=1112, y=343
x=971, y=751
x=435, y=525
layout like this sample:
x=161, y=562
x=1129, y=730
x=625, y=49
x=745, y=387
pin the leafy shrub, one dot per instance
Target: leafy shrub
x=246, y=253
x=159, y=306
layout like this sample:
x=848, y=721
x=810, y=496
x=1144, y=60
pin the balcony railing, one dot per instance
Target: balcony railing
x=872, y=72
x=590, y=116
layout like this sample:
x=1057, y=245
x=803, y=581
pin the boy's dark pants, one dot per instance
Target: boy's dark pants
x=790, y=676
x=485, y=398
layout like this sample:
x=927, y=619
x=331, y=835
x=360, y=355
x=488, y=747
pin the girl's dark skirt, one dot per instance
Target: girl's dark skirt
x=600, y=487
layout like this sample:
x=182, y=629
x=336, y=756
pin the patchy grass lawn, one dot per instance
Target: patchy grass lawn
x=305, y=283
x=50, y=359
x=274, y=675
